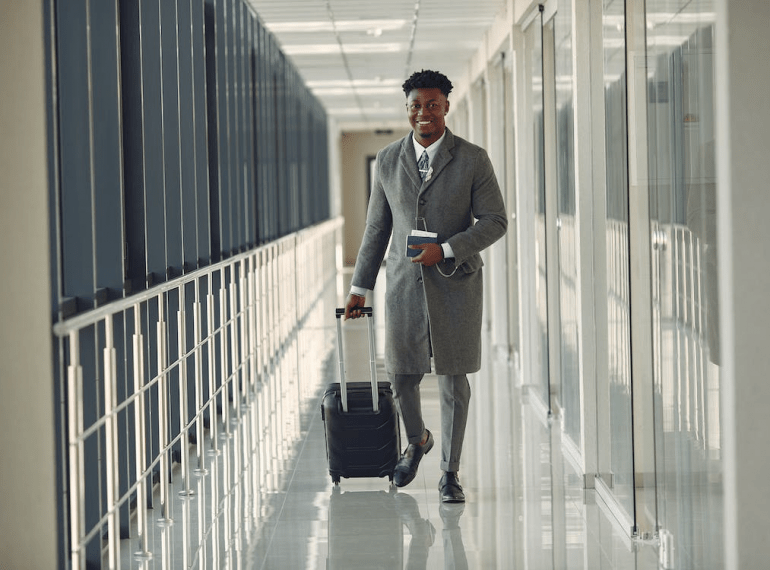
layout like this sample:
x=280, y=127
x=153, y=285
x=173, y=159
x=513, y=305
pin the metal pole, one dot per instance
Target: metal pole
x=210, y=342
x=197, y=334
x=140, y=438
x=225, y=369
x=234, y=343
x=163, y=415
x=183, y=408
x=110, y=433
x=75, y=428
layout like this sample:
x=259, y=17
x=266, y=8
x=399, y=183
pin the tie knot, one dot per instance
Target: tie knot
x=422, y=164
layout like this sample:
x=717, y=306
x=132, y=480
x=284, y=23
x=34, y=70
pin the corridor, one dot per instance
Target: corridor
x=184, y=187
x=272, y=505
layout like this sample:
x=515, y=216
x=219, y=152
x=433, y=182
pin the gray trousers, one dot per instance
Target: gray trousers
x=454, y=395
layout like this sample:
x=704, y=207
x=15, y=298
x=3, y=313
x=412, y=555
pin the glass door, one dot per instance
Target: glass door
x=566, y=224
x=614, y=399
x=555, y=244
x=681, y=133
x=540, y=367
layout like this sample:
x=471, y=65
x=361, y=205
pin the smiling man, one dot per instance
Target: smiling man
x=434, y=181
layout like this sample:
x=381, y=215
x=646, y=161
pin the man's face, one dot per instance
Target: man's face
x=426, y=109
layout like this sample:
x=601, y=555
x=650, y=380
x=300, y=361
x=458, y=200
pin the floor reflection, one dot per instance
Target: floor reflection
x=385, y=529
x=365, y=527
x=263, y=498
x=452, y=536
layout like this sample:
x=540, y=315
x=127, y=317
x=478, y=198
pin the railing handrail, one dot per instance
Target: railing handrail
x=76, y=322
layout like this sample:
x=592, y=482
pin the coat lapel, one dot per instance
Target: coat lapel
x=408, y=163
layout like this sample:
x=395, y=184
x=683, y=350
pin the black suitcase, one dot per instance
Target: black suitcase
x=360, y=421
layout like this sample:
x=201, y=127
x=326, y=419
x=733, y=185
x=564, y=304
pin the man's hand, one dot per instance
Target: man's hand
x=354, y=303
x=431, y=254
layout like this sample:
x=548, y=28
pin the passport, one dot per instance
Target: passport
x=419, y=237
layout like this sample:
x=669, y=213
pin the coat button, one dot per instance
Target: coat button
x=419, y=279
x=422, y=202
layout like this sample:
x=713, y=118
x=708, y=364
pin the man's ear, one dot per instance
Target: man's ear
x=447, y=107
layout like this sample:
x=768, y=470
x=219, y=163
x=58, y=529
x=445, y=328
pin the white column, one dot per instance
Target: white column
x=496, y=297
x=743, y=170
x=28, y=526
x=640, y=244
x=586, y=187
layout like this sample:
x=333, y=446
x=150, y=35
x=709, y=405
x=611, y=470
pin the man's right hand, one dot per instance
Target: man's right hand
x=354, y=303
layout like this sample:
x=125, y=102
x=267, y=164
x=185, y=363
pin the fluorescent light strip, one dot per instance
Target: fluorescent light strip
x=346, y=91
x=342, y=26
x=378, y=111
x=332, y=83
x=328, y=49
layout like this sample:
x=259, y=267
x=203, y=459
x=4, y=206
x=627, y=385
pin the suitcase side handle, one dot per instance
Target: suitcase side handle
x=372, y=360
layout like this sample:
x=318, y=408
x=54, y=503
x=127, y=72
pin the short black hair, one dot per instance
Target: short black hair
x=427, y=79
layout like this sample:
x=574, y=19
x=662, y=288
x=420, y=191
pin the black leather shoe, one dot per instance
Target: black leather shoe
x=450, y=489
x=406, y=468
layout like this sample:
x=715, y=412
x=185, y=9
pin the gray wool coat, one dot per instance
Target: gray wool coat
x=426, y=312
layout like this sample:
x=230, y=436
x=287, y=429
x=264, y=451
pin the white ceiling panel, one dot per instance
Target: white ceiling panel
x=355, y=55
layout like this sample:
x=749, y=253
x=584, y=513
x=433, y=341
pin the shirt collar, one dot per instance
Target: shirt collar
x=432, y=149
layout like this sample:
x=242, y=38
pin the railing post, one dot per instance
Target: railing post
x=198, y=338
x=184, y=430
x=111, y=444
x=211, y=344
x=223, y=322
x=253, y=327
x=163, y=422
x=140, y=443
x=235, y=317
x=76, y=468
x=245, y=323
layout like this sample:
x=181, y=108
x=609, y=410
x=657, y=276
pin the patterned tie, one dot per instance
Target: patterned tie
x=422, y=164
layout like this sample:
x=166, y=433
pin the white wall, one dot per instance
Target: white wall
x=355, y=148
x=27, y=454
x=743, y=144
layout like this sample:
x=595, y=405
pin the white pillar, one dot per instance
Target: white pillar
x=743, y=170
x=28, y=526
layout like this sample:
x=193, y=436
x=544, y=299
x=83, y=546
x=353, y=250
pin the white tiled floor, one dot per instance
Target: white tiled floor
x=262, y=506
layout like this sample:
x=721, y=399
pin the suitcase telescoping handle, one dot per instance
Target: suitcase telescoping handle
x=367, y=311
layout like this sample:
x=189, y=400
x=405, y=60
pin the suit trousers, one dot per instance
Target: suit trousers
x=454, y=395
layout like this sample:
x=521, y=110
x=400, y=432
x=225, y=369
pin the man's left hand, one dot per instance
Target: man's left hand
x=431, y=254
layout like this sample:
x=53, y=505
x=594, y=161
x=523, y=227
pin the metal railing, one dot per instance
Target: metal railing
x=152, y=381
x=685, y=310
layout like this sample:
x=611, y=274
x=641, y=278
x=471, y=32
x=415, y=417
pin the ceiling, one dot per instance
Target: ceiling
x=355, y=55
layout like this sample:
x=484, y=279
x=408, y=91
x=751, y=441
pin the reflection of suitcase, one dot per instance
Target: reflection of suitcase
x=360, y=421
x=365, y=530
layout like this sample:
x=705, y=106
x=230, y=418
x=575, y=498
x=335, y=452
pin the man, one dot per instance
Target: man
x=433, y=181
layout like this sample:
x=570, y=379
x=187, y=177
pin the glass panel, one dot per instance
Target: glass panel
x=680, y=45
x=568, y=246
x=619, y=455
x=540, y=366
